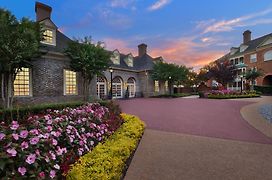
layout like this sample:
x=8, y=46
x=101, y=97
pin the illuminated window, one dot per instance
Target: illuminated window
x=70, y=82
x=166, y=85
x=48, y=36
x=101, y=87
x=22, y=83
x=157, y=88
x=117, y=89
x=131, y=87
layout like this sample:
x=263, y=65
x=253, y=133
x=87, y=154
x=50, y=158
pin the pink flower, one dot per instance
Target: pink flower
x=42, y=175
x=31, y=158
x=22, y=170
x=14, y=125
x=52, y=155
x=54, y=142
x=49, y=128
x=24, y=145
x=2, y=136
x=37, y=152
x=34, y=140
x=15, y=136
x=47, y=159
x=52, y=174
x=24, y=134
x=12, y=152
x=34, y=131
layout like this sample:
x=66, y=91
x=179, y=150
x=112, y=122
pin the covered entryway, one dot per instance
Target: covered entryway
x=267, y=81
x=117, y=88
x=101, y=87
x=131, y=85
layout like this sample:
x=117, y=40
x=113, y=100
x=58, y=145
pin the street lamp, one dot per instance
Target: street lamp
x=111, y=71
x=169, y=84
x=241, y=83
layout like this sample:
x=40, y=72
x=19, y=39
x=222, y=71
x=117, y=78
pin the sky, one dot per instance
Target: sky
x=191, y=32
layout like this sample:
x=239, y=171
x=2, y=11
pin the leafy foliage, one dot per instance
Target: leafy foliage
x=19, y=44
x=253, y=74
x=89, y=59
x=222, y=72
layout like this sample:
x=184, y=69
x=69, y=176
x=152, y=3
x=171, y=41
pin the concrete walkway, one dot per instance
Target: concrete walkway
x=197, y=139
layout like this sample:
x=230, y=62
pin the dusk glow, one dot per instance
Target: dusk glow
x=193, y=33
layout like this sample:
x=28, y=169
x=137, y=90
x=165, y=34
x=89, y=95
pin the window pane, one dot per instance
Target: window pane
x=22, y=83
x=70, y=82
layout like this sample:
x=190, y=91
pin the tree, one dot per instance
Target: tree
x=252, y=75
x=89, y=59
x=19, y=44
x=222, y=72
x=174, y=74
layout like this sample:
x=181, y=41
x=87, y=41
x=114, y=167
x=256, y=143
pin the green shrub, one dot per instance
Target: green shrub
x=21, y=113
x=108, y=160
x=264, y=89
x=213, y=96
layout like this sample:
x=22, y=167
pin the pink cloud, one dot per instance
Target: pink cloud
x=121, y=45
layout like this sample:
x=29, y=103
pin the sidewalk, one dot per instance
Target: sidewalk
x=171, y=156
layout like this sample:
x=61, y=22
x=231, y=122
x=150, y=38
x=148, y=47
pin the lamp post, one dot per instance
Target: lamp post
x=241, y=83
x=111, y=71
x=169, y=84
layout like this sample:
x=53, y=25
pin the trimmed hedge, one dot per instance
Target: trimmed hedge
x=264, y=89
x=21, y=113
x=108, y=160
x=172, y=95
x=212, y=96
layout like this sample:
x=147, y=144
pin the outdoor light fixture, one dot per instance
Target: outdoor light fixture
x=111, y=71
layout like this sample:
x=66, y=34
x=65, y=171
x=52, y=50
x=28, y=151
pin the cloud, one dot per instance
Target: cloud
x=228, y=25
x=123, y=4
x=159, y=4
x=121, y=45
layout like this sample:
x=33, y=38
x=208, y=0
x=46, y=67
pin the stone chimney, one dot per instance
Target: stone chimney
x=42, y=11
x=142, y=49
x=247, y=36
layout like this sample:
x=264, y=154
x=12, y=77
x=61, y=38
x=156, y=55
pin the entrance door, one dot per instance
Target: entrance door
x=131, y=87
x=117, y=90
x=101, y=87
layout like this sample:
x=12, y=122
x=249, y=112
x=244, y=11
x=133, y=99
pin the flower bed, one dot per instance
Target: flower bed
x=108, y=159
x=228, y=94
x=46, y=145
x=177, y=95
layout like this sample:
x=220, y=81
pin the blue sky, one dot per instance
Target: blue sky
x=185, y=32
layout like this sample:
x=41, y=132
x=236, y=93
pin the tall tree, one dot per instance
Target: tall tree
x=19, y=44
x=174, y=74
x=252, y=75
x=89, y=59
x=222, y=72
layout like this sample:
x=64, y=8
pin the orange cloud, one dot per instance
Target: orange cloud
x=122, y=46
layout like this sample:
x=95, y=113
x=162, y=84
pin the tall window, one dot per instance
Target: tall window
x=22, y=83
x=268, y=56
x=157, y=88
x=70, y=82
x=166, y=85
x=117, y=90
x=253, y=58
x=131, y=87
x=48, y=36
x=101, y=87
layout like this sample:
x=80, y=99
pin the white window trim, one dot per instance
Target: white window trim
x=64, y=84
x=270, y=51
x=30, y=86
x=255, y=59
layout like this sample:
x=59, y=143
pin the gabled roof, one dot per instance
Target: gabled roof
x=252, y=45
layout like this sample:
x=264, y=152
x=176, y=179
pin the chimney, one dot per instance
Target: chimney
x=247, y=36
x=42, y=11
x=142, y=49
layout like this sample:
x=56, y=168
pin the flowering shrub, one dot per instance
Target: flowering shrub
x=46, y=146
x=227, y=94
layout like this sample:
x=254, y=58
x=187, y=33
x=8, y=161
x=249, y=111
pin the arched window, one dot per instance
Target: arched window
x=131, y=85
x=101, y=87
x=117, y=88
x=268, y=56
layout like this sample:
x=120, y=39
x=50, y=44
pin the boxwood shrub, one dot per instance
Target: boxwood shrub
x=213, y=96
x=177, y=95
x=108, y=159
x=264, y=89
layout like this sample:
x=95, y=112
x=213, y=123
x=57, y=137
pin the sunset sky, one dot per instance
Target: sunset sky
x=191, y=32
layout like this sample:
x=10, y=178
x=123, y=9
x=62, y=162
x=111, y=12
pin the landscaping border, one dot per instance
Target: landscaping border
x=108, y=160
x=233, y=96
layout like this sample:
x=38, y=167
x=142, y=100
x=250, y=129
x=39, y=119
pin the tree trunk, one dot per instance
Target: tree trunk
x=86, y=89
x=7, y=90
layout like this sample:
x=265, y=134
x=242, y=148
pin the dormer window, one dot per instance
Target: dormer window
x=243, y=48
x=115, y=58
x=49, y=37
x=129, y=60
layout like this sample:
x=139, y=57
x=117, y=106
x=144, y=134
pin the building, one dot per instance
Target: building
x=50, y=79
x=252, y=53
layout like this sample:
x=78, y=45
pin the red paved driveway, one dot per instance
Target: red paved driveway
x=212, y=118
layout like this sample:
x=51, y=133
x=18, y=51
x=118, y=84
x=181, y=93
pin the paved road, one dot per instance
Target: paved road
x=197, y=139
x=211, y=118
